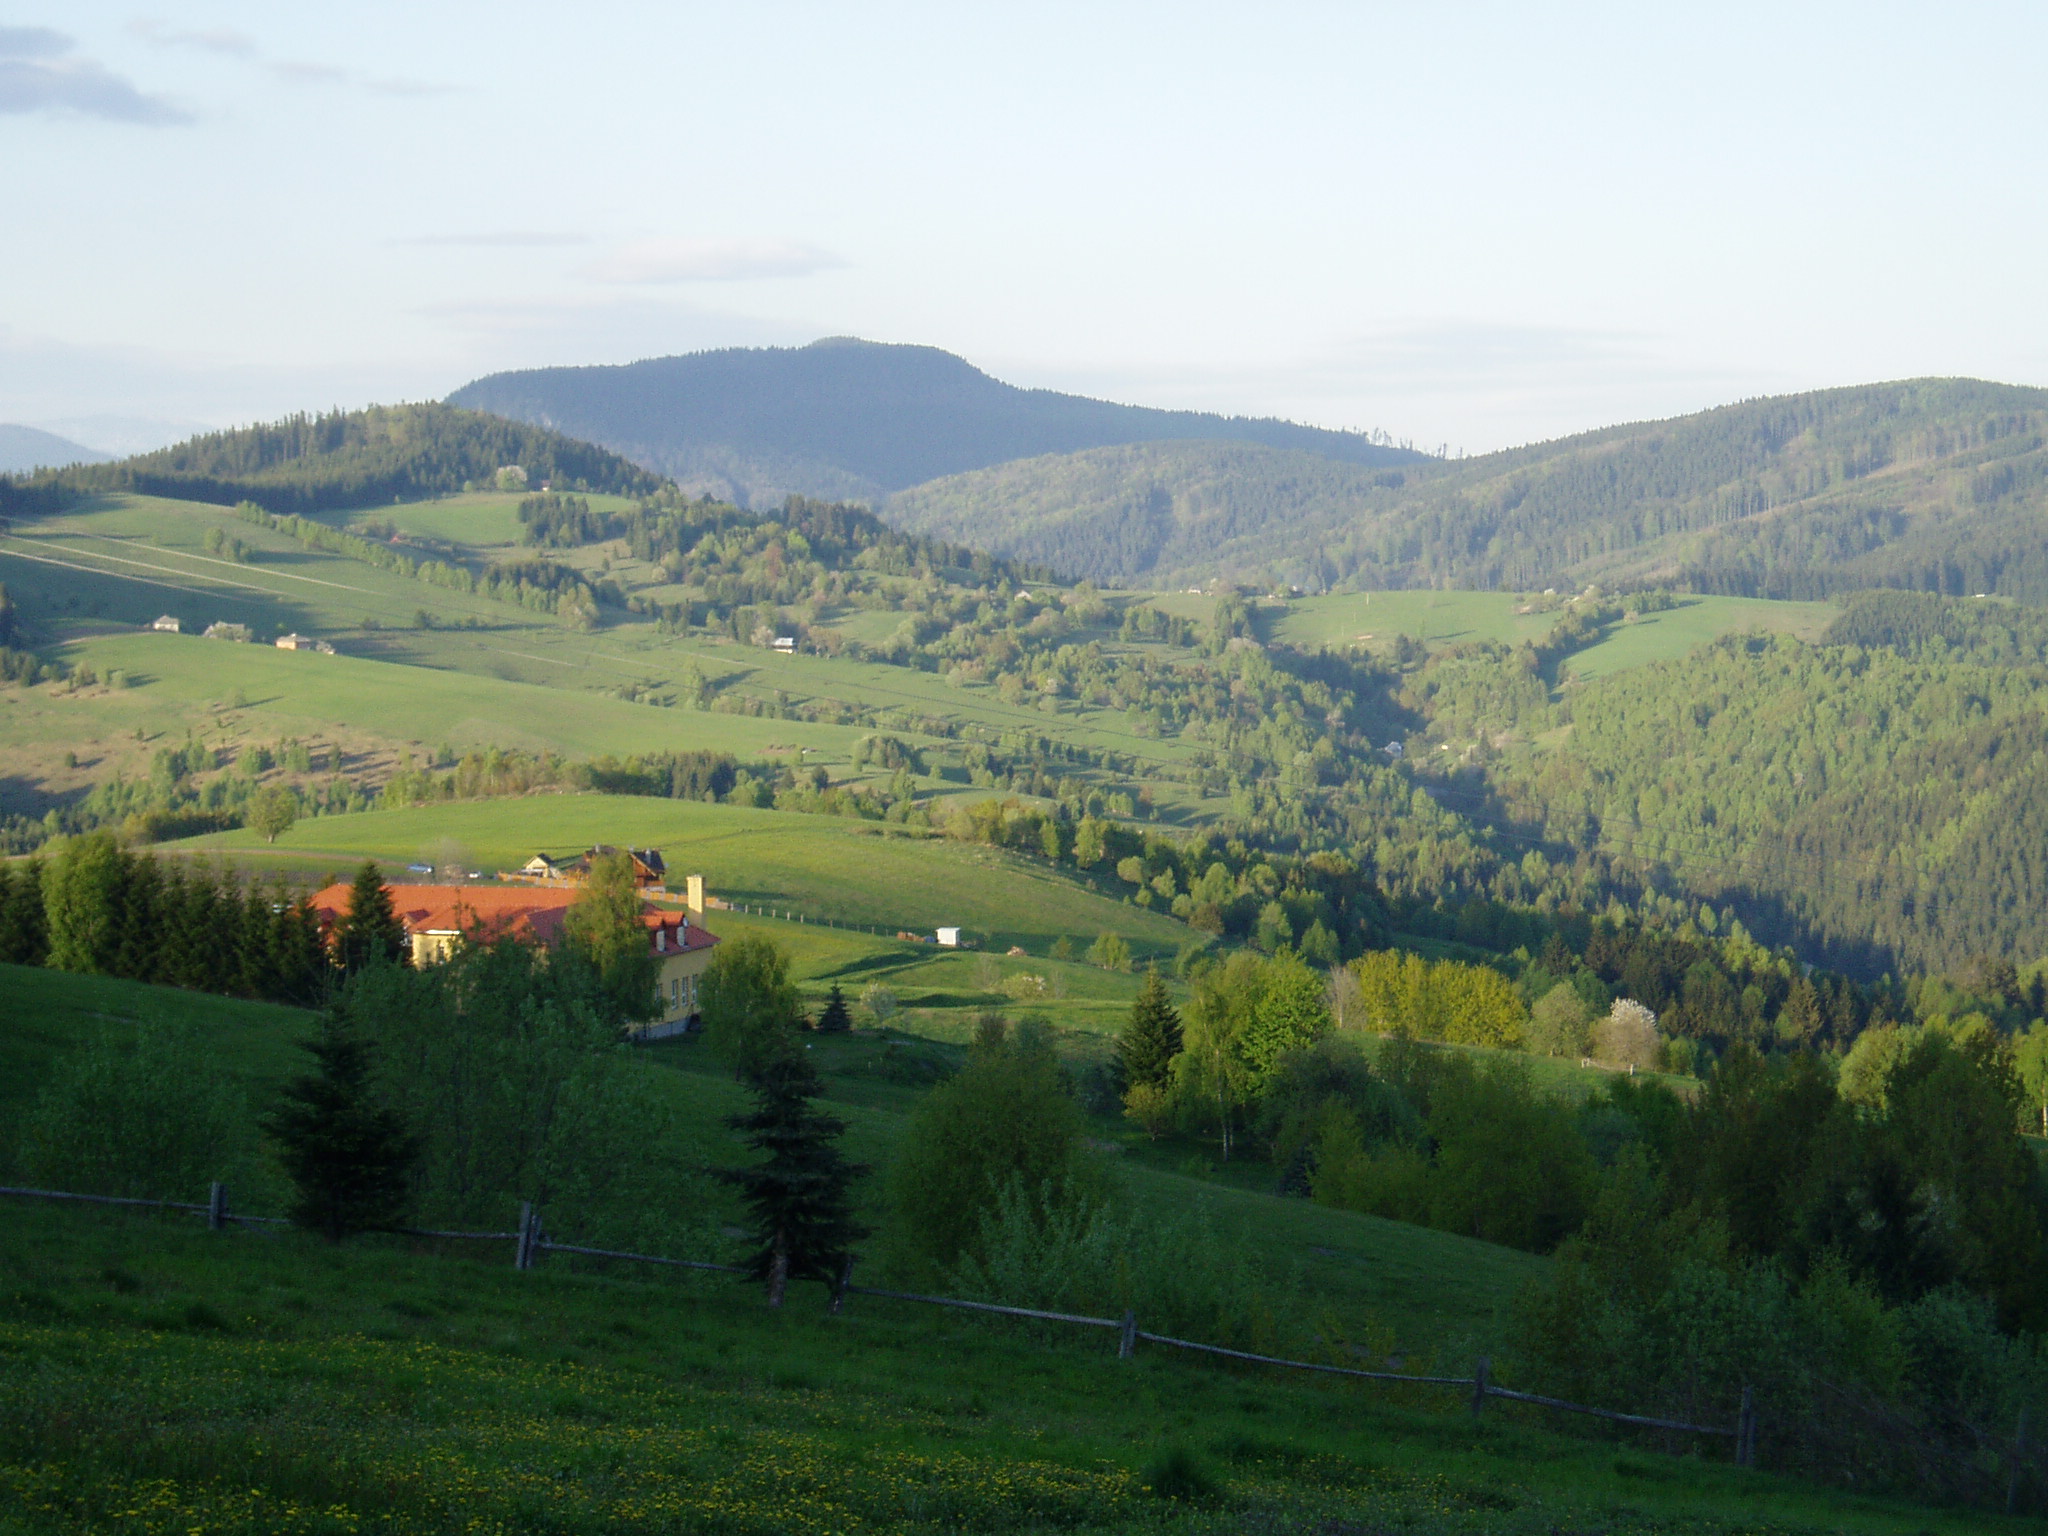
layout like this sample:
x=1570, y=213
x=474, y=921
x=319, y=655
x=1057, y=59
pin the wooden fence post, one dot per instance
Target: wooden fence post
x=529, y=1235
x=845, y=1280
x=1127, y=1336
x=1745, y=1431
x=216, y=1206
x=1479, y=1383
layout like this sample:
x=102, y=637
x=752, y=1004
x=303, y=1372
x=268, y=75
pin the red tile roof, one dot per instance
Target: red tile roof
x=527, y=913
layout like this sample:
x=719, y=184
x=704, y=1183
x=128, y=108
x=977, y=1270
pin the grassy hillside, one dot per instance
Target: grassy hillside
x=845, y=418
x=236, y=1383
x=1373, y=621
x=1934, y=484
x=242, y=1382
x=847, y=872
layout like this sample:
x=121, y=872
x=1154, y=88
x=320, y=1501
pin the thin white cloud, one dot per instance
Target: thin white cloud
x=39, y=73
x=698, y=260
x=506, y=239
x=240, y=45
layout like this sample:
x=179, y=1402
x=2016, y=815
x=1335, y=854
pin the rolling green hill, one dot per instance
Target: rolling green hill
x=1932, y=484
x=843, y=418
x=239, y=1381
x=342, y=459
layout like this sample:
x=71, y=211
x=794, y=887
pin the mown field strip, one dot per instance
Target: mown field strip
x=179, y=554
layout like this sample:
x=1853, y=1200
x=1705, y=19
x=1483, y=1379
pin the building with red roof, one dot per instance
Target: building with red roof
x=437, y=918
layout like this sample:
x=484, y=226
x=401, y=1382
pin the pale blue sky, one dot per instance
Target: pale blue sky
x=1467, y=224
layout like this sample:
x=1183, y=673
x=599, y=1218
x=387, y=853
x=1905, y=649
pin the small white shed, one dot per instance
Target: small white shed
x=949, y=938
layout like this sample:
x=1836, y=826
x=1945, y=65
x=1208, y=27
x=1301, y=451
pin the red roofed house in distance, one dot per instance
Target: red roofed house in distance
x=439, y=917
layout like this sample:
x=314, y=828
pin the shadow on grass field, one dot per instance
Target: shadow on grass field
x=161, y=1379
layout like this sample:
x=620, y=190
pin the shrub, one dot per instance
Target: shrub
x=146, y=1117
x=1557, y=1024
x=1629, y=1037
x=1179, y=1275
x=1008, y=1118
x=748, y=1000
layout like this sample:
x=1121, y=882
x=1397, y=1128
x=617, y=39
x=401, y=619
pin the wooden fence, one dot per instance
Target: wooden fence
x=530, y=1242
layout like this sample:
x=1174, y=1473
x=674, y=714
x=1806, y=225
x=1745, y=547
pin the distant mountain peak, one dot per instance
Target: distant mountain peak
x=848, y=418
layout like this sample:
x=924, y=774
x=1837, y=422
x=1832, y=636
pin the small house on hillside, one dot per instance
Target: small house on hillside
x=438, y=919
x=786, y=644
x=223, y=629
x=168, y=624
x=298, y=642
x=541, y=867
x=949, y=938
x=649, y=870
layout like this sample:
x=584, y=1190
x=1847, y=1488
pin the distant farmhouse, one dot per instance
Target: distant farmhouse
x=439, y=918
x=222, y=629
x=168, y=624
x=298, y=642
x=649, y=872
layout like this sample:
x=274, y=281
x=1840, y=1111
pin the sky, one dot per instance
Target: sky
x=1467, y=225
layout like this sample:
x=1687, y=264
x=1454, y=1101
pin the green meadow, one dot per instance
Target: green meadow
x=162, y=1380
x=848, y=872
x=1375, y=620
x=311, y=695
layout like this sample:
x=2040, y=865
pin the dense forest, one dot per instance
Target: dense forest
x=342, y=459
x=1931, y=485
x=844, y=418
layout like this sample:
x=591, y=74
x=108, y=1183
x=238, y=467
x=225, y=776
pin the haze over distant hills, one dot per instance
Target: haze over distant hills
x=25, y=448
x=1931, y=484
x=850, y=419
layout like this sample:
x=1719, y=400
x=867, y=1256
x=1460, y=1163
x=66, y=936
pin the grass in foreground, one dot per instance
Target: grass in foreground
x=162, y=1379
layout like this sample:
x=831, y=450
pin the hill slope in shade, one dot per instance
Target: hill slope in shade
x=848, y=419
x=1932, y=484
x=29, y=448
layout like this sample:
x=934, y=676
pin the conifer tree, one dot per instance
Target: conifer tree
x=1152, y=1038
x=348, y=1156
x=371, y=933
x=799, y=1197
x=835, y=1019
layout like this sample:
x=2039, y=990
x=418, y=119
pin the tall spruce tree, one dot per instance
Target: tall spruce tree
x=1152, y=1038
x=348, y=1155
x=371, y=933
x=799, y=1197
x=836, y=1019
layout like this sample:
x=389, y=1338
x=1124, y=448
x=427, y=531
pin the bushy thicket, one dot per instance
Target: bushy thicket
x=509, y=1066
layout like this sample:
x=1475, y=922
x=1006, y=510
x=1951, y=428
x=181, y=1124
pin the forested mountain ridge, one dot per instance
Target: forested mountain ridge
x=343, y=459
x=1928, y=484
x=844, y=418
x=1886, y=806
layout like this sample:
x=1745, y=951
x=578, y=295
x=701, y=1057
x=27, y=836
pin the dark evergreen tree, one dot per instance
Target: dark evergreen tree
x=371, y=933
x=24, y=936
x=1152, y=1038
x=836, y=1019
x=304, y=973
x=799, y=1197
x=348, y=1156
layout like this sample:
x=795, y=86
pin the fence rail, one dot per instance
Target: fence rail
x=530, y=1242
